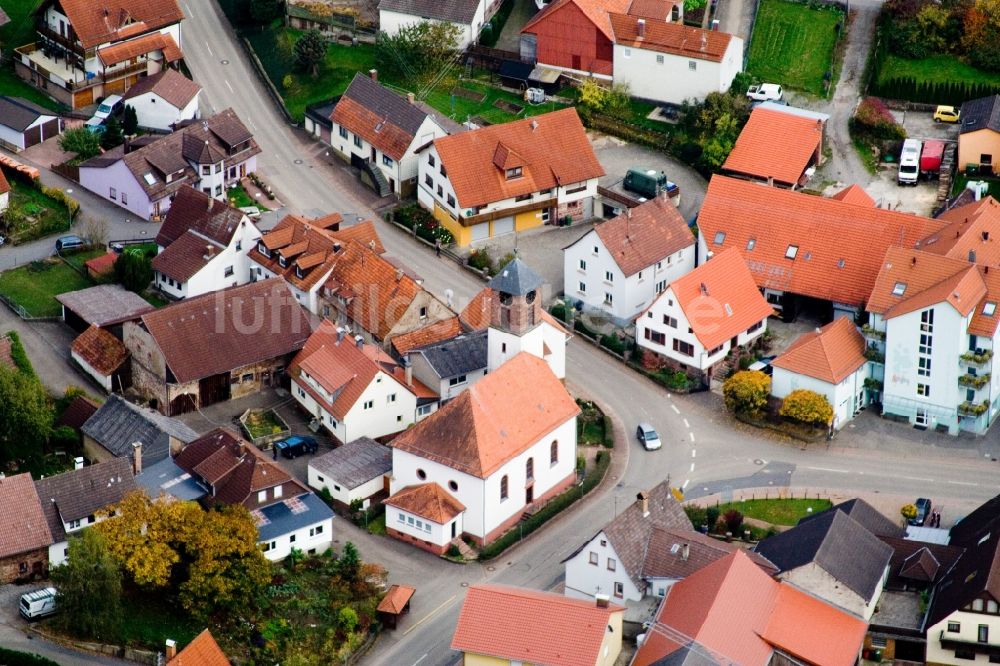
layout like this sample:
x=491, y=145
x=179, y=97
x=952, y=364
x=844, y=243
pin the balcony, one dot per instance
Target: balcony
x=873, y=354
x=973, y=409
x=951, y=641
x=974, y=381
x=65, y=75
x=978, y=357
x=872, y=333
x=69, y=43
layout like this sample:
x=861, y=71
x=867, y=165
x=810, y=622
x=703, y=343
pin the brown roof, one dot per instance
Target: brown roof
x=839, y=245
x=187, y=255
x=493, y=421
x=105, y=304
x=919, y=561
x=829, y=354
x=553, y=146
x=673, y=38
x=77, y=412
x=202, y=651
x=719, y=299
x=854, y=194
x=380, y=116
x=597, y=12
x=427, y=500
x=207, y=335
x=677, y=553
x=972, y=234
x=110, y=20
x=102, y=265
x=520, y=625
x=100, y=350
x=79, y=493
x=652, y=9
x=443, y=329
x=775, y=144
x=192, y=210
x=395, y=599
x=23, y=526
x=122, y=51
x=169, y=84
x=644, y=235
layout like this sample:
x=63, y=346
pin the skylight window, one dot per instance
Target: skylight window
x=729, y=309
x=751, y=244
x=149, y=178
x=720, y=237
x=898, y=289
x=989, y=309
x=791, y=251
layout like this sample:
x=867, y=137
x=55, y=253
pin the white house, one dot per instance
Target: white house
x=500, y=448
x=621, y=265
x=75, y=499
x=829, y=361
x=379, y=131
x=932, y=331
x=670, y=62
x=24, y=124
x=352, y=388
x=468, y=17
x=453, y=365
x=699, y=318
x=512, y=177
x=163, y=99
x=304, y=523
x=203, y=246
x=359, y=470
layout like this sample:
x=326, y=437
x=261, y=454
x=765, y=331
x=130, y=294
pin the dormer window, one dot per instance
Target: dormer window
x=282, y=262
x=989, y=309
x=513, y=173
x=263, y=249
x=298, y=272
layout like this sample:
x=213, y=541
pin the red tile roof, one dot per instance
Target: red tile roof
x=839, y=245
x=109, y=20
x=100, y=350
x=202, y=651
x=829, y=354
x=102, y=265
x=4, y=185
x=597, y=11
x=122, y=51
x=719, y=299
x=390, y=139
x=652, y=9
x=736, y=614
x=427, y=500
x=496, y=419
x=775, y=144
x=308, y=251
x=23, y=527
x=77, y=412
x=854, y=194
x=644, y=235
x=554, y=147
x=210, y=334
x=523, y=625
x=395, y=599
x=674, y=38
x=972, y=234
x=428, y=335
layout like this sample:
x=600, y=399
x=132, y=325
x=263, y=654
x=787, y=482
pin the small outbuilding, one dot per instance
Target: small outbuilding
x=106, y=305
x=102, y=356
x=356, y=471
x=396, y=602
x=24, y=124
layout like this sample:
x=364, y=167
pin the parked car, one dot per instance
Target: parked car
x=69, y=243
x=909, y=162
x=111, y=105
x=946, y=114
x=647, y=182
x=923, y=512
x=295, y=446
x=38, y=604
x=765, y=91
x=648, y=437
x=763, y=365
x=95, y=126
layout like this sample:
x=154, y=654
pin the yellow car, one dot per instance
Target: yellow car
x=946, y=114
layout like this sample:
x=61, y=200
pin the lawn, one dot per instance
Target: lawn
x=20, y=31
x=238, y=197
x=935, y=69
x=961, y=180
x=777, y=511
x=37, y=214
x=35, y=286
x=793, y=44
x=154, y=299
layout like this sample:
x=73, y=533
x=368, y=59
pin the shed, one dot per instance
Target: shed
x=113, y=428
x=358, y=470
x=24, y=124
x=396, y=602
x=106, y=306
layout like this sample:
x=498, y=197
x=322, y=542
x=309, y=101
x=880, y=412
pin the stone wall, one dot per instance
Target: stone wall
x=24, y=566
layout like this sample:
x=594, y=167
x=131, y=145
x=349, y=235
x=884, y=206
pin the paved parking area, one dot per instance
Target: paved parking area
x=921, y=125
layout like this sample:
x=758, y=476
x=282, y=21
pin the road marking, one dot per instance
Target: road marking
x=207, y=46
x=963, y=483
x=916, y=478
x=685, y=484
x=229, y=86
x=693, y=452
x=691, y=435
x=429, y=615
x=692, y=467
x=420, y=660
x=830, y=469
x=674, y=407
x=188, y=8
x=686, y=424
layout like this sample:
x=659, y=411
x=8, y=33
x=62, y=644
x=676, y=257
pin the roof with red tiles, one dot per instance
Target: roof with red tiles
x=720, y=299
x=775, y=144
x=23, y=526
x=427, y=335
x=202, y=651
x=644, y=235
x=652, y=9
x=972, y=234
x=553, y=146
x=77, y=412
x=911, y=279
x=395, y=599
x=4, y=185
x=100, y=350
x=674, y=38
x=133, y=48
x=427, y=500
x=102, y=265
x=309, y=252
x=478, y=311
x=522, y=625
x=854, y=194
x=495, y=420
x=829, y=354
x=110, y=20
x=808, y=245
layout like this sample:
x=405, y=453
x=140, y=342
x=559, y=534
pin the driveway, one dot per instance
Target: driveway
x=510, y=35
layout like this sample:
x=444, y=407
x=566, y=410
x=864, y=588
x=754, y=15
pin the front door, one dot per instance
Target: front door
x=374, y=155
x=453, y=529
x=920, y=419
x=529, y=494
x=243, y=170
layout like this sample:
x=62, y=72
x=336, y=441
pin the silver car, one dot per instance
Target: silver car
x=647, y=437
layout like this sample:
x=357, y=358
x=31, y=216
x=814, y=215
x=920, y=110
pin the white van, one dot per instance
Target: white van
x=38, y=604
x=909, y=162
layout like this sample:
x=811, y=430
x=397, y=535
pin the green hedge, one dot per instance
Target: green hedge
x=427, y=227
x=950, y=93
x=490, y=33
x=550, y=510
x=15, y=658
x=19, y=356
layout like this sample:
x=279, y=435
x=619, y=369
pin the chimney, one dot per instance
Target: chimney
x=770, y=181
x=602, y=600
x=640, y=28
x=685, y=552
x=628, y=213
x=136, y=458
x=986, y=235
x=171, y=649
x=972, y=256
x=359, y=341
x=643, y=498
x=399, y=274
x=407, y=370
x=373, y=73
x=704, y=41
x=410, y=98
x=209, y=251
x=78, y=462
x=534, y=125
x=340, y=334
x=704, y=289
x=913, y=261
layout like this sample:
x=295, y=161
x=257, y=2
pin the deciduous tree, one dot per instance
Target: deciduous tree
x=80, y=141
x=309, y=51
x=806, y=406
x=90, y=587
x=25, y=415
x=746, y=391
x=417, y=53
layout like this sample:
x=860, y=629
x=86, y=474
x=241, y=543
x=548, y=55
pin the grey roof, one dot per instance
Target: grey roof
x=117, y=424
x=390, y=106
x=516, y=278
x=280, y=519
x=836, y=543
x=105, y=304
x=18, y=113
x=870, y=518
x=165, y=477
x=457, y=356
x=690, y=654
x=982, y=113
x=795, y=111
x=354, y=463
x=457, y=11
x=82, y=492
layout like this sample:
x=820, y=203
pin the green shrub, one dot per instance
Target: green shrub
x=580, y=327
x=559, y=311
x=453, y=551
x=696, y=514
x=613, y=343
x=481, y=260
x=19, y=356
x=711, y=517
x=15, y=658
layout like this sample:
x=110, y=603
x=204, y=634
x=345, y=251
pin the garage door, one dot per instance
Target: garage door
x=504, y=225
x=32, y=135
x=480, y=231
x=50, y=129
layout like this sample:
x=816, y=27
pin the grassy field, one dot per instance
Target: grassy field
x=35, y=285
x=936, y=69
x=39, y=214
x=793, y=44
x=777, y=511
